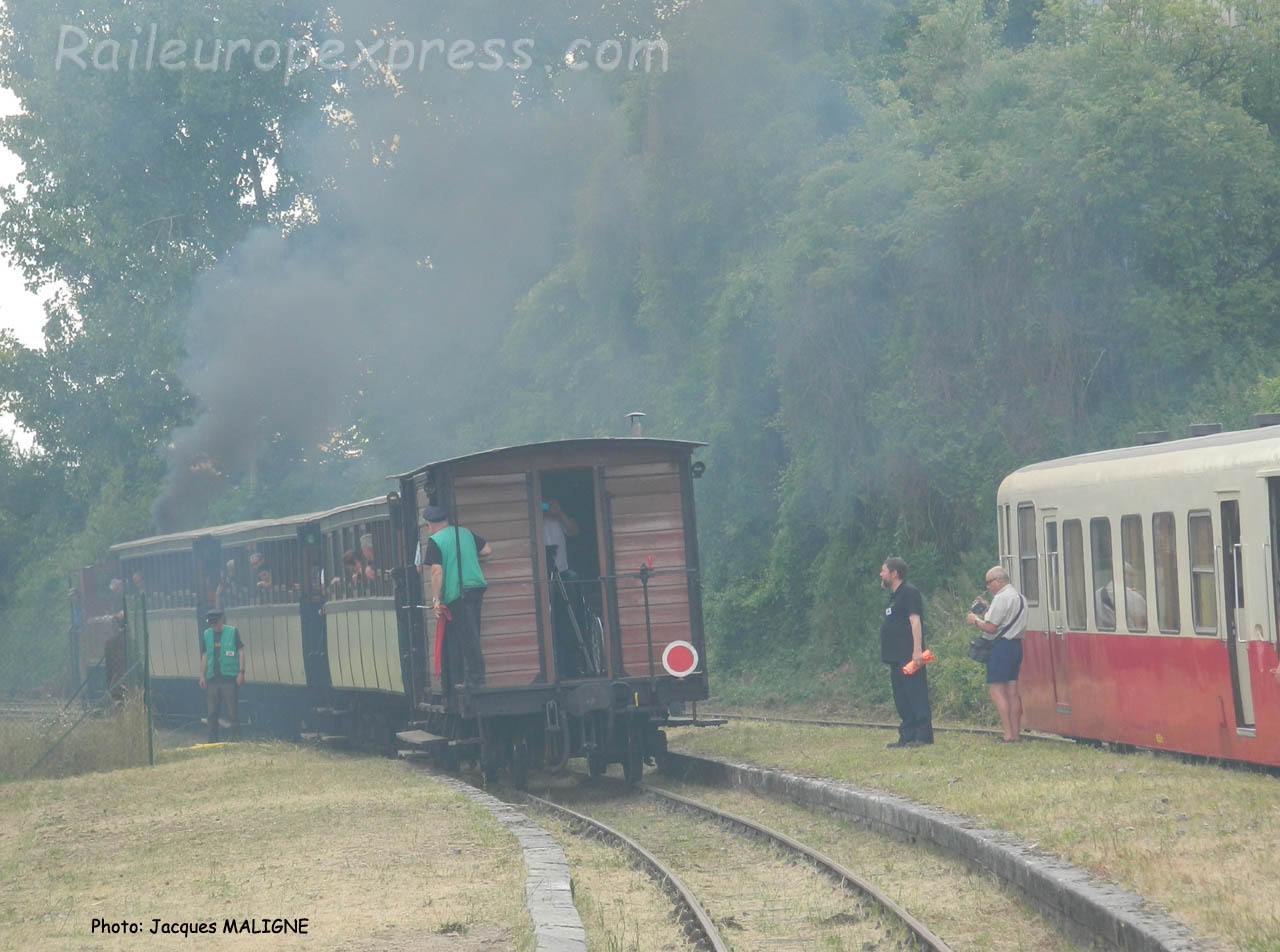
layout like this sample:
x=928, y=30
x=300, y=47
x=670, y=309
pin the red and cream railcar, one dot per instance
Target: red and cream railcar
x=1152, y=577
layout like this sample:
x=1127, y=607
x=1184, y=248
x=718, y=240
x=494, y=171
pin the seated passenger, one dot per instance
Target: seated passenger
x=1135, y=604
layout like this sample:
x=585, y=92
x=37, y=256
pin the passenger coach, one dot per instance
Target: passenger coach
x=255, y=573
x=1152, y=578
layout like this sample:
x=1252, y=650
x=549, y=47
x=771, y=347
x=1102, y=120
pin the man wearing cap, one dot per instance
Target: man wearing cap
x=221, y=672
x=452, y=557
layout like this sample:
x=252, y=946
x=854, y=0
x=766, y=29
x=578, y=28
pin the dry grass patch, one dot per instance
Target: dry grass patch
x=1193, y=838
x=108, y=740
x=372, y=853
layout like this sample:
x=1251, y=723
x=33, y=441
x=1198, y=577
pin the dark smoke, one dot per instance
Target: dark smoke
x=439, y=204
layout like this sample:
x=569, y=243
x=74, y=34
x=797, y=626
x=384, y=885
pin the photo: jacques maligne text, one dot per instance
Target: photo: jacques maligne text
x=233, y=926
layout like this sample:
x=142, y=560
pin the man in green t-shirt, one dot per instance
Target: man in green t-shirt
x=452, y=557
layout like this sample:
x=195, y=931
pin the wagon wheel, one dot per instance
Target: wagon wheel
x=520, y=763
x=633, y=762
x=659, y=750
x=596, y=764
x=491, y=755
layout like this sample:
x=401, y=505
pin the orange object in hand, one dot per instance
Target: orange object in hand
x=925, y=657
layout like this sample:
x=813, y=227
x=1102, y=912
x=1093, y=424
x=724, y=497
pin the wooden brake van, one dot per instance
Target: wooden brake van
x=590, y=661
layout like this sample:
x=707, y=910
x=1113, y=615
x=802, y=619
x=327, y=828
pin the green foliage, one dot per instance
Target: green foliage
x=36, y=615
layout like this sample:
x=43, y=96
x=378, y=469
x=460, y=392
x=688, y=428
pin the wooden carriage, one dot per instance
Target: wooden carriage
x=635, y=579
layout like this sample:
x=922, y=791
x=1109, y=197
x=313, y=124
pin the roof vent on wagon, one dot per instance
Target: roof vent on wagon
x=1203, y=429
x=1150, y=437
x=1266, y=419
x=636, y=418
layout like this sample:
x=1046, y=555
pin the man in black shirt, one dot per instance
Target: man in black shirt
x=901, y=641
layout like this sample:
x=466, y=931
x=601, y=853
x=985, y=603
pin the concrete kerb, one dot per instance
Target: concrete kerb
x=548, y=892
x=1081, y=905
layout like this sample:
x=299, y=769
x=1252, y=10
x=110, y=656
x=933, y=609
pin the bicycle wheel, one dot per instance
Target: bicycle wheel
x=595, y=647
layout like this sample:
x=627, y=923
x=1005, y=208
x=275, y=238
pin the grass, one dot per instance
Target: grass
x=1193, y=838
x=116, y=737
x=373, y=853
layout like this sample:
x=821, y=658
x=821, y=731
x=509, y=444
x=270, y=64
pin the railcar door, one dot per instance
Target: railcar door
x=1234, y=627
x=1056, y=629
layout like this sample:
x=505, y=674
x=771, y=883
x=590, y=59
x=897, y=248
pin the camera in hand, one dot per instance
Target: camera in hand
x=978, y=606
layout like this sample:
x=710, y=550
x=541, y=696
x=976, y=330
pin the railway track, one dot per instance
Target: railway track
x=697, y=924
x=865, y=921
x=31, y=712
x=1076, y=908
x=880, y=725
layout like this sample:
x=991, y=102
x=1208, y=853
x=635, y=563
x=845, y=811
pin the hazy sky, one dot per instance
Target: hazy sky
x=20, y=311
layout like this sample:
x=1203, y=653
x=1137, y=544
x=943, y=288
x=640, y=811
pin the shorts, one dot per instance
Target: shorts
x=1005, y=660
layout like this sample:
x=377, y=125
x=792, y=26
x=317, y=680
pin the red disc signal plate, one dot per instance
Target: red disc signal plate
x=680, y=659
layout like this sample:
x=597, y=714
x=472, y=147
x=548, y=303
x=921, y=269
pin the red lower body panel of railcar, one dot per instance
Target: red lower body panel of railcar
x=1170, y=693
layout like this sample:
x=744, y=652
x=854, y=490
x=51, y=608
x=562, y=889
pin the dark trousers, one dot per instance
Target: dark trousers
x=463, y=661
x=225, y=693
x=911, y=698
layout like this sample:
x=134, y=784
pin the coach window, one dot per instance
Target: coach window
x=1104, y=583
x=1204, y=596
x=1164, y=544
x=1133, y=556
x=1028, y=557
x=1073, y=570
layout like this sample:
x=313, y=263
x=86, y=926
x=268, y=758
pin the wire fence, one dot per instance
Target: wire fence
x=105, y=723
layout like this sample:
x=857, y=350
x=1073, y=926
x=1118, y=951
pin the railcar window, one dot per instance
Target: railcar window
x=1135, y=573
x=1104, y=583
x=1273, y=485
x=1204, y=602
x=1051, y=564
x=1006, y=548
x=1073, y=570
x=1164, y=544
x=1028, y=556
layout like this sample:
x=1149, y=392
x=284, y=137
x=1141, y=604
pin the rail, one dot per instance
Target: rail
x=878, y=725
x=845, y=877
x=697, y=924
